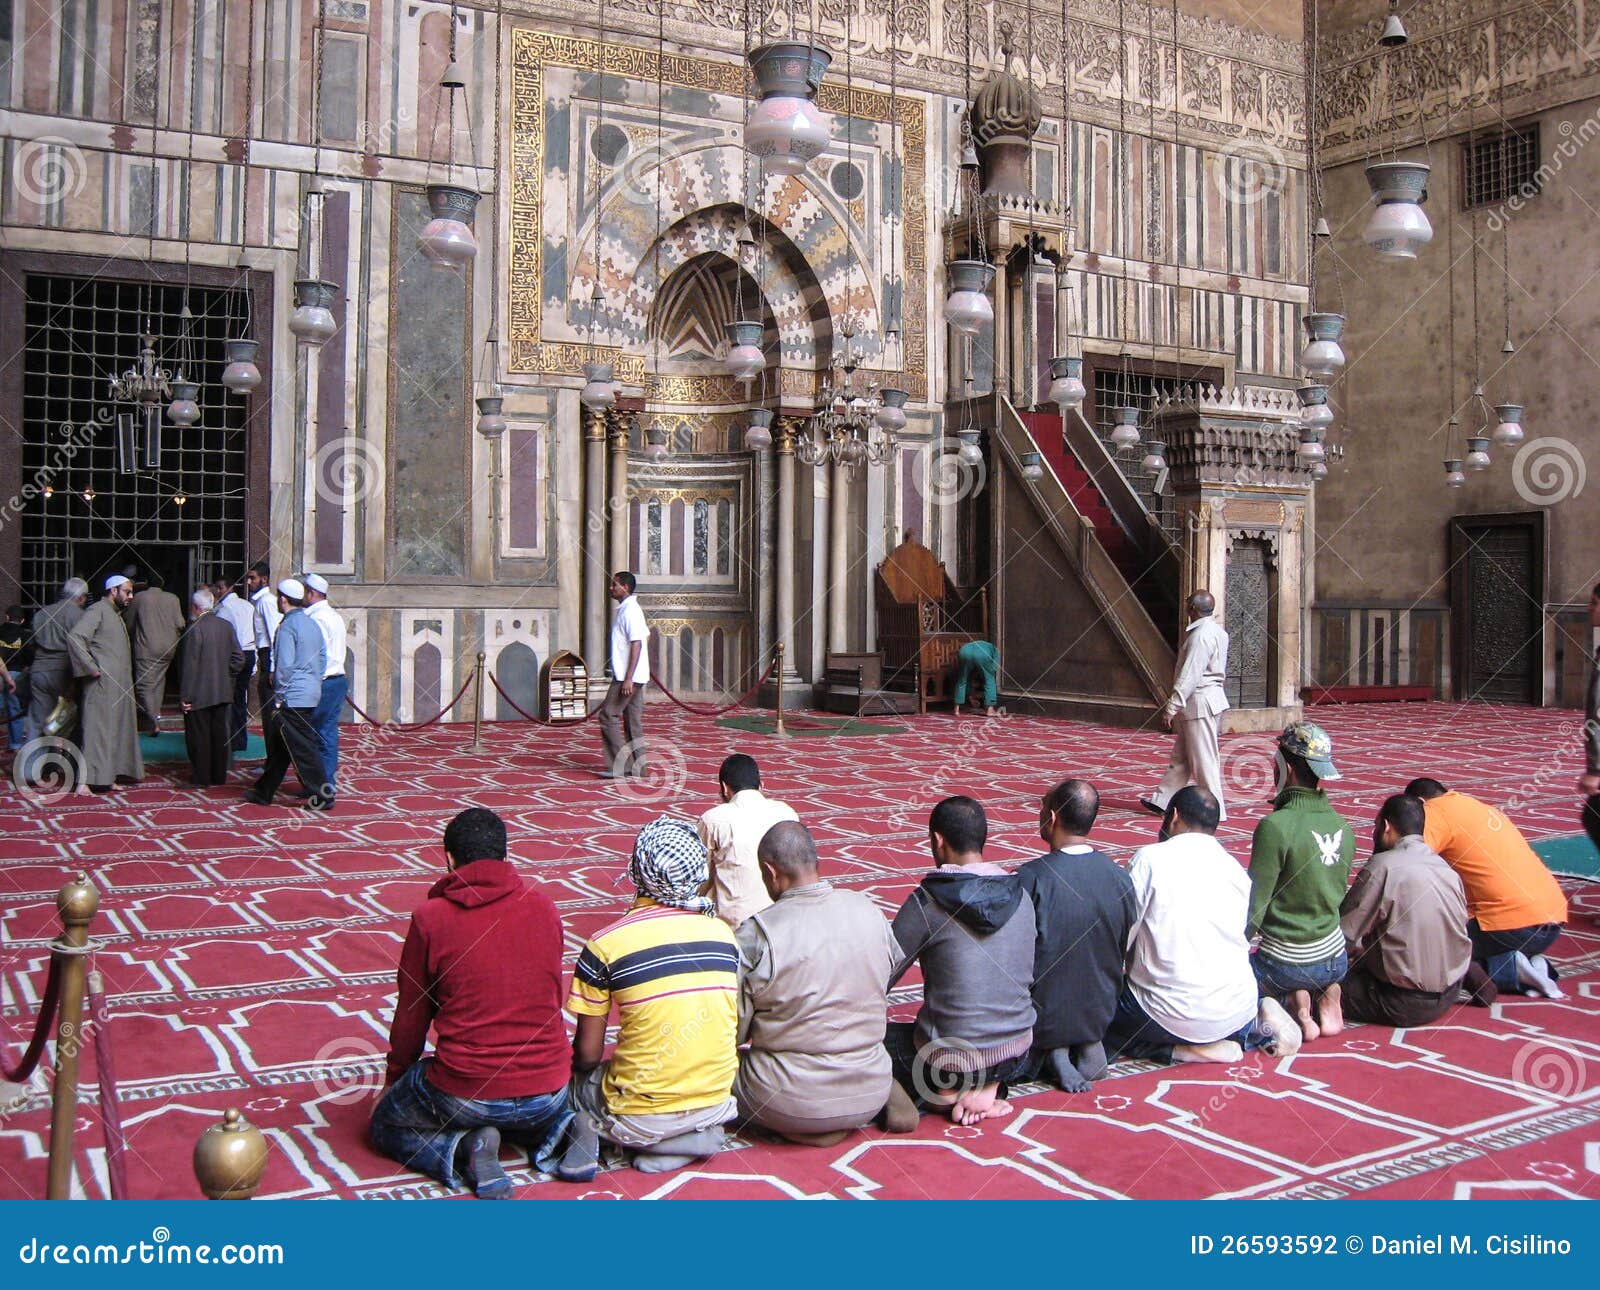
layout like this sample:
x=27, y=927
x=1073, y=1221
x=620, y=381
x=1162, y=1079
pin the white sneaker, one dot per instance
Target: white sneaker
x=1534, y=977
x=1284, y=1029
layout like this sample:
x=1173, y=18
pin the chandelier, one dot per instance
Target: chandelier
x=148, y=383
x=852, y=427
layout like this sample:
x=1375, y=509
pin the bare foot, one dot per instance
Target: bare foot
x=1330, y=1011
x=1300, y=1005
x=980, y=1104
x=1222, y=1050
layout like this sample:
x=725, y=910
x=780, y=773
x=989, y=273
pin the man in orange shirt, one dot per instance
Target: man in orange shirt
x=1514, y=904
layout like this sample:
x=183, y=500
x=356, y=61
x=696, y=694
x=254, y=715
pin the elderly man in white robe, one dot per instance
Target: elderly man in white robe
x=103, y=659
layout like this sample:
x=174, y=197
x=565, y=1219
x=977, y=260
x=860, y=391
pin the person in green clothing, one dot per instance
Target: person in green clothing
x=983, y=656
x=1300, y=859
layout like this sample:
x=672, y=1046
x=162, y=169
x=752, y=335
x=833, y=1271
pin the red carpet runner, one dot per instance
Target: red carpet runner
x=249, y=957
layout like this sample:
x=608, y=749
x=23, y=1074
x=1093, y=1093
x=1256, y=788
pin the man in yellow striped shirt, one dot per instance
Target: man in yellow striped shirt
x=671, y=967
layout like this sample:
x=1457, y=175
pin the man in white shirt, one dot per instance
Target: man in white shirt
x=732, y=832
x=335, y=685
x=234, y=608
x=630, y=673
x=1194, y=709
x=267, y=616
x=1190, y=993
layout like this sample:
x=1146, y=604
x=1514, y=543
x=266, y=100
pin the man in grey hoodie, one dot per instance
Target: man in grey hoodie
x=970, y=925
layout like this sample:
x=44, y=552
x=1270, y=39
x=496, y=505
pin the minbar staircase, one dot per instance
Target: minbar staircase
x=1070, y=580
x=1149, y=572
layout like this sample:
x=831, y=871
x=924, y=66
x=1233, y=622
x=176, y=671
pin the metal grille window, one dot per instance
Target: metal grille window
x=1500, y=167
x=1113, y=389
x=84, y=513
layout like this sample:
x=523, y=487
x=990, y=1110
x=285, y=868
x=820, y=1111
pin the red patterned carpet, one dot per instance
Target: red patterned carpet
x=249, y=956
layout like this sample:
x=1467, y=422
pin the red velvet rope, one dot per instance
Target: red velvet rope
x=727, y=707
x=19, y=1073
x=413, y=725
x=110, y=1113
x=656, y=681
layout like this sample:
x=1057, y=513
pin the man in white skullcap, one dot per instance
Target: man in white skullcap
x=334, y=683
x=102, y=658
x=298, y=659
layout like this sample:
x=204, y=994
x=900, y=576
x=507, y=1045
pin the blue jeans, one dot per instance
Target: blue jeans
x=983, y=656
x=1279, y=979
x=1498, y=951
x=325, y=721
x=421, y=1127
x=1133, y=1034
x=16, y=706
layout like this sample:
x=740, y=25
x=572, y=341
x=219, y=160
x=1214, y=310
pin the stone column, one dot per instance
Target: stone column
x=783, y=624
x=619, y=496
x=763, y=470
x=595, y=574
x=838, y=557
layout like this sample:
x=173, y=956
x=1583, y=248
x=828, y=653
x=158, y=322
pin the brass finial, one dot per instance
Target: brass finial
x=230, y=1158
x=77, y=902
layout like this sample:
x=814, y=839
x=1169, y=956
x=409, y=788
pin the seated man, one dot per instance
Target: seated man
x=1300, y=859
x=1190, y=994
x=970, y=925
x=672, y=969
x=985, y=659
x=1405, y=924
x=1084, y=911
x=731, y=833
x=1515, y=906
x=813, y=993
x=482, y=965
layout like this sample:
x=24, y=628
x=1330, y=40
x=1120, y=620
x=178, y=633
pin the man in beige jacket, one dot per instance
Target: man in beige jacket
x=732, y=832
x=1194, y=710
x=813, y=995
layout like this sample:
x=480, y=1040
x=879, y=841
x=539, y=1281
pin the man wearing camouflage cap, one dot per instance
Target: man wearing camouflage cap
x=1300, y=859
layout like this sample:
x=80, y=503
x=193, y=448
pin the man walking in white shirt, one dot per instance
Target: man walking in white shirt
x=732, y=832
x=1195, y=709
x=1190, y=994
x=630, y=673
x=335, y=685
x=264, y=600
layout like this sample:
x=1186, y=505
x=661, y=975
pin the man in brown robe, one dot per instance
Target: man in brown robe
x=103, y=658
x=211, y=660
x=155, y=625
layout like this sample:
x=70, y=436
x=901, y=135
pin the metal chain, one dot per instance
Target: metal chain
x=595, y=292
x=1120, y=311
x=900, y=213
x=1505, y=222
x=494, y=199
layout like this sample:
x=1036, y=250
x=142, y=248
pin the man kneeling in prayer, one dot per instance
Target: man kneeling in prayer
x=1190, y=994
x=482, y=966
x=813, y=994
x=671, y=967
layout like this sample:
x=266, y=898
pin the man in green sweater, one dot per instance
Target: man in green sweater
x=1300, y=861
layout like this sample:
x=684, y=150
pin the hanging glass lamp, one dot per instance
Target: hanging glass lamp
x=1398, y=228
x=312, y=321
x=1508, y=430
x=967, y=307
x=1125, y=433
x=1323, y=355
x=744, y=360
x=599, y=390
x=241, y=375
x=1066, y=383
x=758, y=435
x=447, y=239
x=1477, y=453
x=787, y=130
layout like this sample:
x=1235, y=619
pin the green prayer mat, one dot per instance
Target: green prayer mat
x=806, y=726
x=169, y=747
x=1573, y=855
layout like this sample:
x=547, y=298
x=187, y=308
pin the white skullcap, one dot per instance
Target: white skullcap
x=291, y=589
x=316, y=582
x=114, y=581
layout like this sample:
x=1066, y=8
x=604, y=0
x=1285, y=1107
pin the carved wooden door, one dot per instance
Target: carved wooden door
x=1248, y=610
x=1505, y=619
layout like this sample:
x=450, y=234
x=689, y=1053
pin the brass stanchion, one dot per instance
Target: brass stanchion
x=780, y=732
x=77, y=902
x=230, y=1158
x=477, y=709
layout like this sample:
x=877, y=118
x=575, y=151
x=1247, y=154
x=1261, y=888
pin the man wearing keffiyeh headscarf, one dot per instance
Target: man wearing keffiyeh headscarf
x=670, y=866
x=672, y=968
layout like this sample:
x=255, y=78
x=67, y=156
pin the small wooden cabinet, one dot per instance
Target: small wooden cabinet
x=563, y=688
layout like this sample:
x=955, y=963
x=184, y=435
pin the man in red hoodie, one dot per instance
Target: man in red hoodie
x=482, y=965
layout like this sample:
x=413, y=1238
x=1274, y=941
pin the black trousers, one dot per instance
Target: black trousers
x=291, y=737
x=239, y=723
x=1370, y=998
x=263, y=681
x=1591, y=819
x=206, y=734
